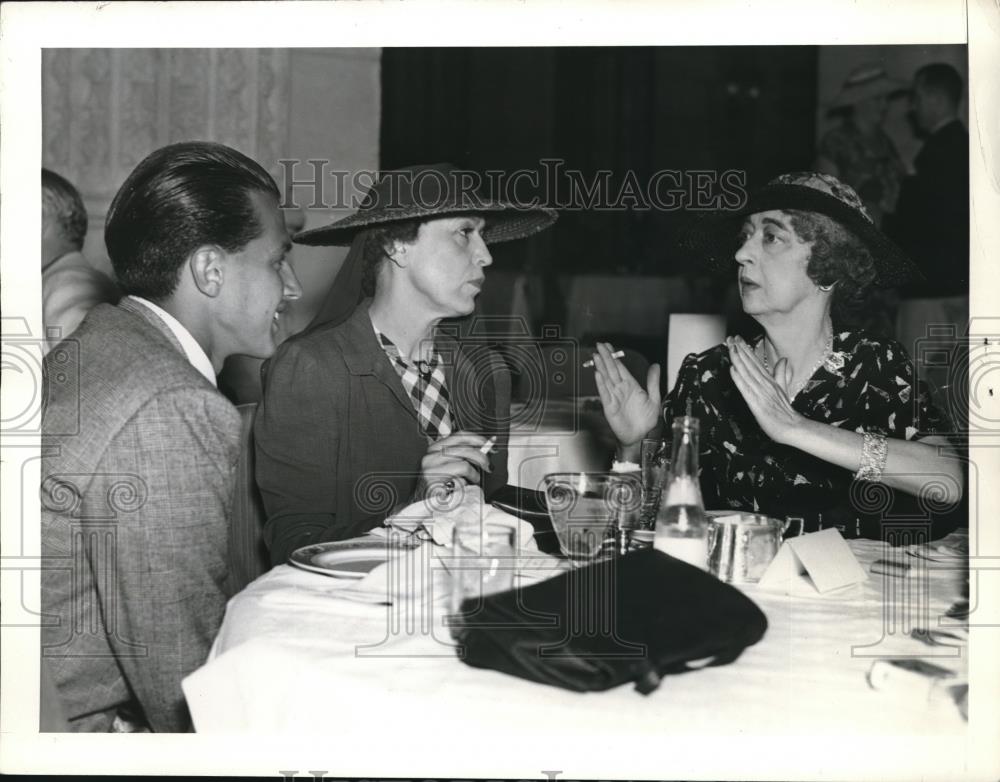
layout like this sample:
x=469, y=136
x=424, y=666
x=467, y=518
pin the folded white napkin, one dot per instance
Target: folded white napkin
x=407, y=576
x=466, y=508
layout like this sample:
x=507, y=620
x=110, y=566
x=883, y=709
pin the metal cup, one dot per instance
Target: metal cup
x=742, y=545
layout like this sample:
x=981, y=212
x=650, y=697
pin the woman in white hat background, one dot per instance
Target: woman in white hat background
x=803, y=419
x=373, y=405
x=858, y=151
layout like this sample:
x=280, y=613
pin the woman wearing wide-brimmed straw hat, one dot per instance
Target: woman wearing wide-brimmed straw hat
x=372, y=404
x=801, y=420
x=858, y=151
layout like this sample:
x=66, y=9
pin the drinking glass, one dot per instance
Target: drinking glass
x=655, y=462
x=482, y=562
x=591, y=510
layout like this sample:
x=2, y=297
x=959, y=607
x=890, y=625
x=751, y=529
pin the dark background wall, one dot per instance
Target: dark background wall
x=606, y=108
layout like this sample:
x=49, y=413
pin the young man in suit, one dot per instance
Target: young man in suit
x=139, y=444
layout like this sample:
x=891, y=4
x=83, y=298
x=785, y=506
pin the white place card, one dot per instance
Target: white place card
x=821, y=559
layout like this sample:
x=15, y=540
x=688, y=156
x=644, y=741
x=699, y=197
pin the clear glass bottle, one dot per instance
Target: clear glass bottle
x=681, y=524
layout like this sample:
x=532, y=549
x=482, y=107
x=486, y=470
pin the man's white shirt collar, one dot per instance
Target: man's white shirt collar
x=198, y=358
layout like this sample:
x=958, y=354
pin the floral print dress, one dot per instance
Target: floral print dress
x=865, y=385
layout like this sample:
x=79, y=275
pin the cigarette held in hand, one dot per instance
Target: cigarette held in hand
x=488, y=445
x=617, y=354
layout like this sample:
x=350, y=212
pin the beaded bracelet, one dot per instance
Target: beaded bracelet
x=873, y=455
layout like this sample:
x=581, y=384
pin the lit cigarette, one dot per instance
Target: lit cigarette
x=488, y=445
x=617, y=354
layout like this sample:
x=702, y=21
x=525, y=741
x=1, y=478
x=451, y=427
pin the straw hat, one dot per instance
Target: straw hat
x=430, y=191
x=866, y=81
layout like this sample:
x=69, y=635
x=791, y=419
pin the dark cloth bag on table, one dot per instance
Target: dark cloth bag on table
x=633, y=618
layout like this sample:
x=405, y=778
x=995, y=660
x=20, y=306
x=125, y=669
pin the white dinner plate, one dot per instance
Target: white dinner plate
x=344, y=558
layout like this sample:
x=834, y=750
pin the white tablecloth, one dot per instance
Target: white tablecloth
x=371, y=679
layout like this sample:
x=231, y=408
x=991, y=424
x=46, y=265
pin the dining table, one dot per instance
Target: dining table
x=381, y=684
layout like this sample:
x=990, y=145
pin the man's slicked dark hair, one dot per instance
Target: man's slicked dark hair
x=941, y=77
x=179, y=198
x=62, y=204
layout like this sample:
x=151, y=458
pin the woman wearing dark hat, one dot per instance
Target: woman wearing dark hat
x=373, y=404
x=795, y=420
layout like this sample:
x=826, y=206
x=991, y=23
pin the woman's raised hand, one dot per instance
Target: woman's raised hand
x=632, y=411
x=766, y=395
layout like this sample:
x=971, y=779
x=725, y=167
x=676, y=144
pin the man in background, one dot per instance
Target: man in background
x=932, y=217
x=141, y=448
x=71, y=287
x=932, y=223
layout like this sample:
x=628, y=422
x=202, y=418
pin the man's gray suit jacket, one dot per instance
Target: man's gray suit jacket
x=139, y=452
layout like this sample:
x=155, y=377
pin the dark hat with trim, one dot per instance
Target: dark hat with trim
x=715, y=237
x=429, y=192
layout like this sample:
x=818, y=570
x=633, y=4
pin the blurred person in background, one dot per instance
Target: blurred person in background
x=71, y=287
x=931, y=223
x=859, y=152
